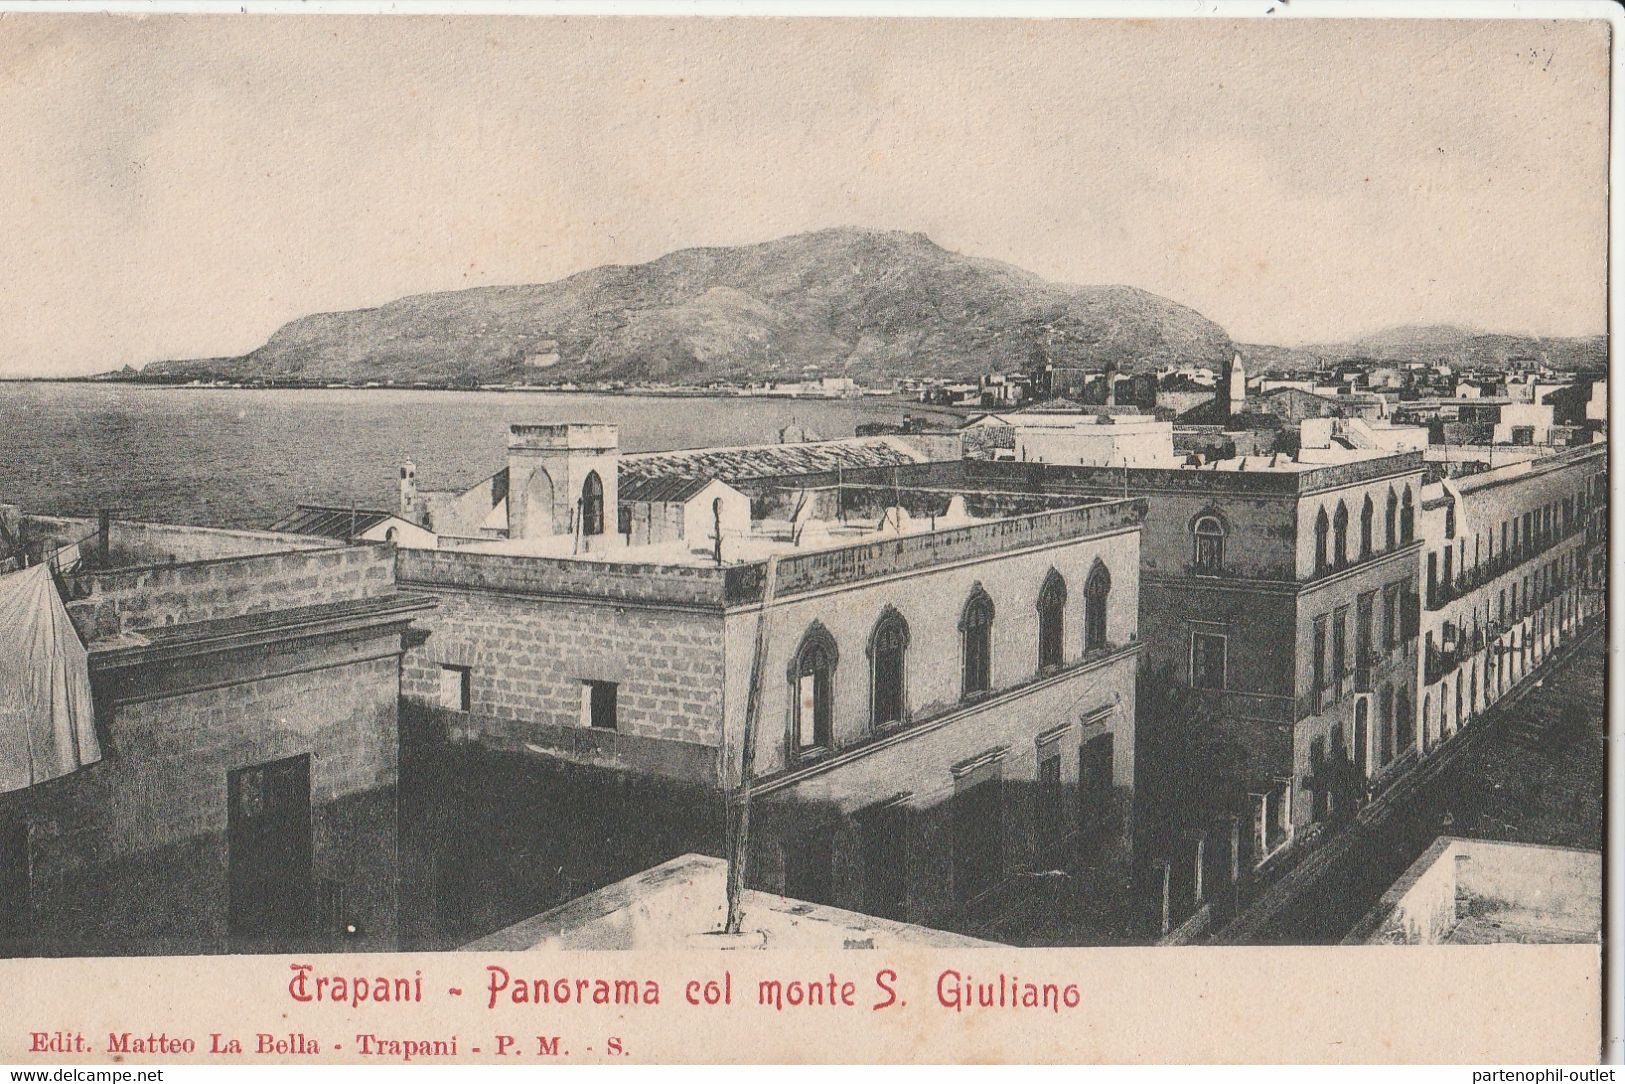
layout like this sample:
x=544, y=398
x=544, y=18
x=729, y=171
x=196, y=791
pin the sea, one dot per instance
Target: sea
x=244, y=457
x=485, y=839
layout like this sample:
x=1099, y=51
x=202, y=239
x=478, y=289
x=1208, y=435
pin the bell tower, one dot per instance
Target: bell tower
x=562, y=481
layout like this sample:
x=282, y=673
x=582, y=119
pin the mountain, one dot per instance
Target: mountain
x=839, y=302
x=1436, y=344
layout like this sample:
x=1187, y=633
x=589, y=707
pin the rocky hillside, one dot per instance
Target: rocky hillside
x=841, y=302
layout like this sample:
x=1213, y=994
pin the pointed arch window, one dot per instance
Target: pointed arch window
x=812, y=683
x=592, y=505
x=1323, y=529
x=1391, y=523
x=888, y=665
x=976, y=635
x=1051, y=621
x=1340, y=535
x=1407, y=518
x=1208, y=552
x=1096, y=595
x=1368, y=513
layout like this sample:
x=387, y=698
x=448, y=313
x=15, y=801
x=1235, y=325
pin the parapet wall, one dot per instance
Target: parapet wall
x=158, y=543
x=108, y=604
x=909, y=553
x=711, y=586
x=526, y=575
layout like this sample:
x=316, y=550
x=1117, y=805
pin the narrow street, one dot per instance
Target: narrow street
x=1535, y=774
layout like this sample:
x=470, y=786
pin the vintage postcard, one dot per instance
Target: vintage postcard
x=570, y=537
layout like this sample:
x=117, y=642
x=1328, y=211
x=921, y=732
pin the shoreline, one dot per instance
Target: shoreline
x=888, y=401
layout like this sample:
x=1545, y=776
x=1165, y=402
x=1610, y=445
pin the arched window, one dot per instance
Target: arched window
x=1208, y=556
x=1323, y=529
x=1391, y=523
x=1407, y=518
x=976, y=634
x=1450, y=518
x=1403, y=735
x=888, y=668
x=1097, y=590
x=592, y=505
x=391, y=534
x=1051, y=621
x=812, y=673
x=1340, y=535
x=1368, y=512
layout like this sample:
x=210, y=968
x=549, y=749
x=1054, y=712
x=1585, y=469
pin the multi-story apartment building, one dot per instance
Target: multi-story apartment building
x=937, y=696
x=1515, y=562
x=1283, y=596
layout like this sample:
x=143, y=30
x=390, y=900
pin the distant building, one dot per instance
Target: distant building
x=1515, y=561
x=355, y=524
x=1110, y=437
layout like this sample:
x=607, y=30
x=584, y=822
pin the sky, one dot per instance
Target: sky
x=180, y=186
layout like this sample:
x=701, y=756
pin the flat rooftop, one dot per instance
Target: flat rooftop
x=683, y=903
x=766, y=538
x=1483, y=891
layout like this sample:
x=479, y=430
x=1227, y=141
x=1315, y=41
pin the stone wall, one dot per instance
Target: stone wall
x=130, y=855
x=106, y=604
x=528, y=657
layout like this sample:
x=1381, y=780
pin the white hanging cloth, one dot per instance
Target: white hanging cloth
x=47, y=719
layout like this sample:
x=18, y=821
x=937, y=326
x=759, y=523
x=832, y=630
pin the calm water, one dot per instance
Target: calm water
x=243, y=458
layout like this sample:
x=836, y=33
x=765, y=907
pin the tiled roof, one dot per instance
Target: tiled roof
x=330, y=522
x=658, y=489
x=766, y=460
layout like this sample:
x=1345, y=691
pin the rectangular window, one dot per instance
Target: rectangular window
x=1050, y=815
x=1320, y=653
x=1321, y=805
x=1364, y=656
x=598, y=704
x=1207, y=660
x=456, y=688
x=1340, y=620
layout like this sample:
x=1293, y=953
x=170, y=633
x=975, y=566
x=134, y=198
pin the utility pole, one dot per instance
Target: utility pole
x=739, y=816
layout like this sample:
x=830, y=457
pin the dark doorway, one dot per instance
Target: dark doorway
x=1094, y=794
x=268, y=834
x=1362, y=737
x=978, y=838
x=809, y=868
x=16, y=907
x=885, y=860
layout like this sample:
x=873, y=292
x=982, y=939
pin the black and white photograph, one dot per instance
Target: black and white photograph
x=548, y=483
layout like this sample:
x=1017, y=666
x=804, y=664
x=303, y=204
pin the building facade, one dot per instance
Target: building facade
x=245, y=688
x=1516, y=562
x=936, y=704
